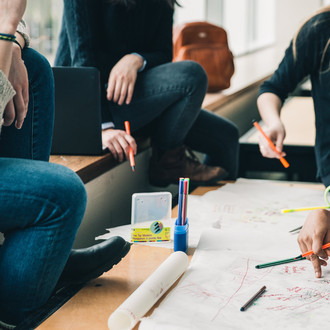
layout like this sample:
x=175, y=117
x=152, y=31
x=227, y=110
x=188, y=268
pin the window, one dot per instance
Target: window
x=250, y=24
x=43, y=18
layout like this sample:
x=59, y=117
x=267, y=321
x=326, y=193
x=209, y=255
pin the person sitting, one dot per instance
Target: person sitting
x=130, y=42
x=41, y=204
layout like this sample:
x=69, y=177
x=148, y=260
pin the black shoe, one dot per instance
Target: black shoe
x=86, y=264
x=182, y=163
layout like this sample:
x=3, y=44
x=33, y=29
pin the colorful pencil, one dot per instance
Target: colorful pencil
x=271, y=144
x=184, y=203
x=285, y=261
x=130, y=152
x=253, y=299
x=180, y=197
x=304, y=209
x=279, y=262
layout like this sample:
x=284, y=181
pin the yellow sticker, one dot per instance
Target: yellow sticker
x=155, y=233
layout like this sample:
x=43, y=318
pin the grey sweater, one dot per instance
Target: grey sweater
x=6, y=94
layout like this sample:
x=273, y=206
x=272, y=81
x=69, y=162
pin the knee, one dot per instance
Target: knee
x=68, y=192
x=192, y=74
x=233, y=131
x=39, y=69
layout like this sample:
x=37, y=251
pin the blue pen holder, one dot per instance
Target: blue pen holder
x=181, y=236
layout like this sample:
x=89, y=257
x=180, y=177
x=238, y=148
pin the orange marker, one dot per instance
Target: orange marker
x=271, y=144
x=130, y=152
x=309, y=253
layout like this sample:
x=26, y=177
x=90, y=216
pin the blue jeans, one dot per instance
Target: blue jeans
x=41, y=204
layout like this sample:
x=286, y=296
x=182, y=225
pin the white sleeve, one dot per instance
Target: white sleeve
x=6, y=94
x=22, y=30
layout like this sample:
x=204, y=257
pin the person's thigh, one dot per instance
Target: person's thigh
x=159, y=89
x=33, y=141
x=41, y=207
x=217, y=138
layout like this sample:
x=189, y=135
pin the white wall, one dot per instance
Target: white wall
x=290, y=14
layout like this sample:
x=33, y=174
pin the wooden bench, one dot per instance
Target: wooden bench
x=90, y=167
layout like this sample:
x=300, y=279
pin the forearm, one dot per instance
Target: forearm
x=6, y=47
x=20, y=39
x=269, y=106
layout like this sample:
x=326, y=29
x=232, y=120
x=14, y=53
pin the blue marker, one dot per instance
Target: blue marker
x=180, y=199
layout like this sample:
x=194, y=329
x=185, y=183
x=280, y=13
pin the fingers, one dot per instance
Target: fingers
x=119, y=143
x=9, y=114
x=317, y=245
x=129, y=93
x=122, y=94
x=111, y=88
x=116, y=90
x=316, y=262
x=122, y=80
x=279, y=144
x=131, y=143
x=119, y=151
x=21, y=110
x=312, y=237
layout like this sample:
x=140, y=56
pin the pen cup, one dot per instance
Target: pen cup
x=181, y=236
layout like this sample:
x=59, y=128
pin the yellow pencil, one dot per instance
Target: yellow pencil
x=304, y=209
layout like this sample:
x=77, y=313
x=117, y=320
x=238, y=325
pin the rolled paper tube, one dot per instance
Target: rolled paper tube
x=146, y=295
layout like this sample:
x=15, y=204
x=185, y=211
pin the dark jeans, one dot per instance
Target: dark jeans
x=167, y=105
x=41, y=204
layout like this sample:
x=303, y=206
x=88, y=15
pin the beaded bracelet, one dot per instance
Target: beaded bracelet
x=10, y=37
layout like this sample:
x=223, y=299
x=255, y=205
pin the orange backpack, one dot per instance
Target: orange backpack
x=206, y=44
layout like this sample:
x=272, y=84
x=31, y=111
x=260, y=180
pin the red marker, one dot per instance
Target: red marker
x=271, y=144
x=130, y=152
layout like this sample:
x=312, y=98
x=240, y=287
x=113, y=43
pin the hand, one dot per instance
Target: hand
x=11, y=12
x=118, y=142
x=314, y=234
x=18, y=77
x=276, y=133
x=122, y=79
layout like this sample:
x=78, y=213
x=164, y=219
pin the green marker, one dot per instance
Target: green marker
x=280, y=262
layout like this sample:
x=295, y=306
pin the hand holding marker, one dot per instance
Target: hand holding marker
x=285, y=261
x=271, y=144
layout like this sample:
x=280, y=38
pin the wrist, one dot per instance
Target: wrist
x=8, y=27
x=138, y=62
x=17, y=51
x=141, y=62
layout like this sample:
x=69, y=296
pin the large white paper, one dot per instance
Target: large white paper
x=243, y=226
x=222, y=277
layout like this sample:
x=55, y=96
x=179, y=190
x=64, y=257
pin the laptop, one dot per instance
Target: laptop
x=77, y=127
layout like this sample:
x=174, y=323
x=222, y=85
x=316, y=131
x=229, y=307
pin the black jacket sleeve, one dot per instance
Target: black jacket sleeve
x=291, y=71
